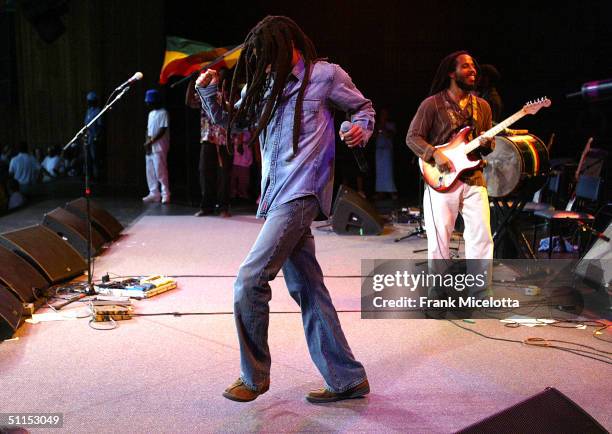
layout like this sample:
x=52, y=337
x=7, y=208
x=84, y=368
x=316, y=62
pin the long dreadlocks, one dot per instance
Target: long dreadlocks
x=269, y=44
x=441, y=80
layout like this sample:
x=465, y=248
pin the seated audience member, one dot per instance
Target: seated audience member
x=6, y=154
x=16, y=198
x=4, y=194
x=24, y=168
x=38, y=154
x=52, y=166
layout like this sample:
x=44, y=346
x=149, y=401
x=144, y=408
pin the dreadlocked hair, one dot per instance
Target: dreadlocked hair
x=269, y=43
x=441, y=80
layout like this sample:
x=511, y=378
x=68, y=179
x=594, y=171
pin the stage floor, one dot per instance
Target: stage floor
x=166, y=373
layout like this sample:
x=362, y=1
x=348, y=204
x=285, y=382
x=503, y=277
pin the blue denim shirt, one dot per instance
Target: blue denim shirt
x=286, y=177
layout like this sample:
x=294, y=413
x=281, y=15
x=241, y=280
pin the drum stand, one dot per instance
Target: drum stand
x=509, y=211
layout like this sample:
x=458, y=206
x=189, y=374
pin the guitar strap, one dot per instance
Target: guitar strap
x=474, y=109
x=461, y=118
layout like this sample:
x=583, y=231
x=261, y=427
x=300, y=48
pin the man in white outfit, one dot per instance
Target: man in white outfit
x=156, y=146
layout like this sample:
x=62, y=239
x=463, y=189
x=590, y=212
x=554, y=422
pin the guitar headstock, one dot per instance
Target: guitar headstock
x=532, y=107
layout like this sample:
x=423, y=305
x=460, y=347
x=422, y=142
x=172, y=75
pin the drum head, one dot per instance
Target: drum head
x=503, y=169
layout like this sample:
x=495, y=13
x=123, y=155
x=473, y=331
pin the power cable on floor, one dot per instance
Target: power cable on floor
x=545, y=343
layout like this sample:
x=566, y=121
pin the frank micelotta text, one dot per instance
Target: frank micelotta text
x=444, y=303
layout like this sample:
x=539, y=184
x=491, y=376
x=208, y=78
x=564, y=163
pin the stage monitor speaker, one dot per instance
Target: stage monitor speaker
x=11, y=311
x=549, y=411
x=53, y=257
x=108, y=226
x=595, y=265
x=73, y=228
x=352, y=214
x=20, y=277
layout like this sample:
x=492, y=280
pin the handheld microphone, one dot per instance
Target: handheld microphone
x=137, y=76
x=357, y=151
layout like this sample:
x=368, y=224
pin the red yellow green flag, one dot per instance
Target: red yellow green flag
x=184, y=57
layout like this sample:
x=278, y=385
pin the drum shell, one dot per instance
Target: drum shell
x=519, y=165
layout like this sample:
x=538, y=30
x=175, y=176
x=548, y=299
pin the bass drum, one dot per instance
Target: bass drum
x=518, y=166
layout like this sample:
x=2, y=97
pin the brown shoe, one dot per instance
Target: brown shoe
x=323, y=395
x=238, y=391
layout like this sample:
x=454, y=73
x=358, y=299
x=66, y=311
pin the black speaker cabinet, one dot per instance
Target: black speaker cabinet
x=352, y=214
x=73, y=228
x=549, y=411
x=108, y=226
x=11, y=311
x=53, y=257
x=20, y=277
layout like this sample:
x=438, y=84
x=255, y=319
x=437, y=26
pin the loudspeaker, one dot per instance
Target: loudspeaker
x=595, y=265
x=20, y=277
x=73, y=229
x=108, y=226
x=352, y=214
x=53, y=257
x=549, y=411
x=11, y=311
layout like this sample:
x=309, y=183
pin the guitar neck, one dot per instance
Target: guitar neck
x=495, y=130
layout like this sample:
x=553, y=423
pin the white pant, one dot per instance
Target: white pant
x=441, y=211
x=157, y=173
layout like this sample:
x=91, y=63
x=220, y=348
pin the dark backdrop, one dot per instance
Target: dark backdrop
x=390, y=48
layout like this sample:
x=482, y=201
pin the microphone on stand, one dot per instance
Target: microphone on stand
x=137, y=76
x=357, y=151
x=594, y=90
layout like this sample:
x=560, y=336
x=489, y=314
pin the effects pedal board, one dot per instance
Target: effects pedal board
x=111, y=310
x=144, y=287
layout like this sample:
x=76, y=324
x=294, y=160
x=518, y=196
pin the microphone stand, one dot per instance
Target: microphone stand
x=419, y=230
x=90, y=288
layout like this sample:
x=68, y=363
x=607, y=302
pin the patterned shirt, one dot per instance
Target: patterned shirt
x=437, y=120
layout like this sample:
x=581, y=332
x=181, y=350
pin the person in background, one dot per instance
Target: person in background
x=6, y=154
x=384, y=133
x=487, y=90
x=156, y=146
x=94, y=133
x=215, y=162
x=53, y=166
x=16, y=198
x=4, y=193
x=24, y=168
x=243, y=159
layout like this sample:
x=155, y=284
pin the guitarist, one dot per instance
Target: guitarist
x=450, y=107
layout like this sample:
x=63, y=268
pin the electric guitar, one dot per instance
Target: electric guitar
x=457, y=149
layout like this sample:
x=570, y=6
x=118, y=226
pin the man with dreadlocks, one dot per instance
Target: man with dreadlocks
x=450, y=107
x=289, y=96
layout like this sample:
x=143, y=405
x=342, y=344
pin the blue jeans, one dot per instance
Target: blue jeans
x=286, y=241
